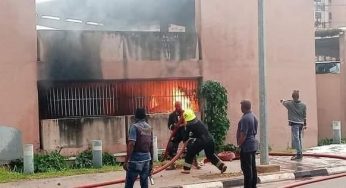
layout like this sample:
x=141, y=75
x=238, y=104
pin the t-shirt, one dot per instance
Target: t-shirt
x=248, y=125
x=138, y=156
x=296, y=111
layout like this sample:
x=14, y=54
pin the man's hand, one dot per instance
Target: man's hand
x=126, y=166
x=305, y=127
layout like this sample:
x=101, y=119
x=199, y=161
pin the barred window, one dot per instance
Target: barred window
x=65, y=99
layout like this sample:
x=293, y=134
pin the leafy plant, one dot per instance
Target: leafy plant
x=108, y=159
x=49, y=162
x=230, y=147
x=215, y=110
x=84, y=160
x=16, y=165
x=329, y=141
x=46, y=162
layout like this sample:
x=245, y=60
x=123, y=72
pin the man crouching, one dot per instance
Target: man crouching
x=200, y=140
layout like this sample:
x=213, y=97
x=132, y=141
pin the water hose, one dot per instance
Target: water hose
x=315, y=180
x=123, y=180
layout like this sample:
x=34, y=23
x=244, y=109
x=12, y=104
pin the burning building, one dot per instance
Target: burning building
x=81, y=77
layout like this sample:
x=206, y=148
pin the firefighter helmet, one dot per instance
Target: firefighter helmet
x=189, y=115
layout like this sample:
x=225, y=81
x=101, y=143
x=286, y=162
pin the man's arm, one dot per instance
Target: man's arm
x=130, y=148
x=304, y=115
x=171, y=122
x=243, y=129
x=151, y=153
x=130, y=144
x=285, y=102
x=241, y=138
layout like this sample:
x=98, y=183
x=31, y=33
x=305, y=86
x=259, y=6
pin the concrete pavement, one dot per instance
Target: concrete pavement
x=307, y=167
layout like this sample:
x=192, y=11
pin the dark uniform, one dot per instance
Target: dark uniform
x=173, y=121
x=200, y=139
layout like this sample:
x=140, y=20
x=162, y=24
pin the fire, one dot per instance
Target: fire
x=181, y=97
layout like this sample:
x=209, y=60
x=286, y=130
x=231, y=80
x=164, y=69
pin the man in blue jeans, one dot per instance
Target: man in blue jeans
x=297, y=120
x=139, y=151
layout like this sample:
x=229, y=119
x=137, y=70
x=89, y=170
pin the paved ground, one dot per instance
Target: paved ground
x=208, y=172
x=340, y=182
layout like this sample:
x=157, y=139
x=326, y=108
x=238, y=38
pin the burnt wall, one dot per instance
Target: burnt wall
x=93, y=55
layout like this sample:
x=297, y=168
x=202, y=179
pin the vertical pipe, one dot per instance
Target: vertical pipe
x=264, y=156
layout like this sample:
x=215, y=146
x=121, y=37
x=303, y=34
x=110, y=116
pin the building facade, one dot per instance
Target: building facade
x=218, y=49
x=330, y=14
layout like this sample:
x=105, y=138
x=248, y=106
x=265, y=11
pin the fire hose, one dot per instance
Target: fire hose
x=315, y=180
x=123, y=180
x=271, y=154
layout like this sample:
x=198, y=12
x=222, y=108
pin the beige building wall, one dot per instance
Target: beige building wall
x=18, y=96
x=331, y=97
x=229, y=43
x=338, y=13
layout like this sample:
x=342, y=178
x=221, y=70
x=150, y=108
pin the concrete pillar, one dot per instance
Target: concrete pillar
x=155, y=152
x=28, y=151
x=97, y=153
x=336, y=132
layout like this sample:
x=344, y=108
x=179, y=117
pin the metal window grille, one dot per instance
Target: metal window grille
x=114, y=98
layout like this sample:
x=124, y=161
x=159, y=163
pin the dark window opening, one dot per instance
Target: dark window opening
x=328, y=67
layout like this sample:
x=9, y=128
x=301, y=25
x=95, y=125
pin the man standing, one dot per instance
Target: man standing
x=246, y=133
x=297, y=120
x=139, y=151
x=199, y=139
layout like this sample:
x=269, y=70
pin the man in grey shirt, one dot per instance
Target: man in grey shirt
x=246, y=139
x=297, y=120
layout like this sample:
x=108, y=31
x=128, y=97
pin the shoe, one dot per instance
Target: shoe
x=223, y=168
x=185, y=171
x=297, y=157
x=196, y=164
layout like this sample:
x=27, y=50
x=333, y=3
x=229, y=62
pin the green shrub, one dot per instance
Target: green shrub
x=16, y=165
x=84, y=159
x=215, y=110
x=230, y=147
x=329, y=141
x=49, y=162
x=108, y=159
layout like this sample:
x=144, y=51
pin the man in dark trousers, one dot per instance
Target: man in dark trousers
x=297, y=120
x=139, y=151
x=175, y=121
x=199, y=139
x=247, y=130
x=176, y=125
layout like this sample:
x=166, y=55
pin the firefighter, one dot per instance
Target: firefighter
x=176, y=125
x=199, y=139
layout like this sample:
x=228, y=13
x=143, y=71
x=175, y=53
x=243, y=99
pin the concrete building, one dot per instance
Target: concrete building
x=214, y=48
x=338, y=13
x=330, y=13
x=330, y=79
x=322, y=14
